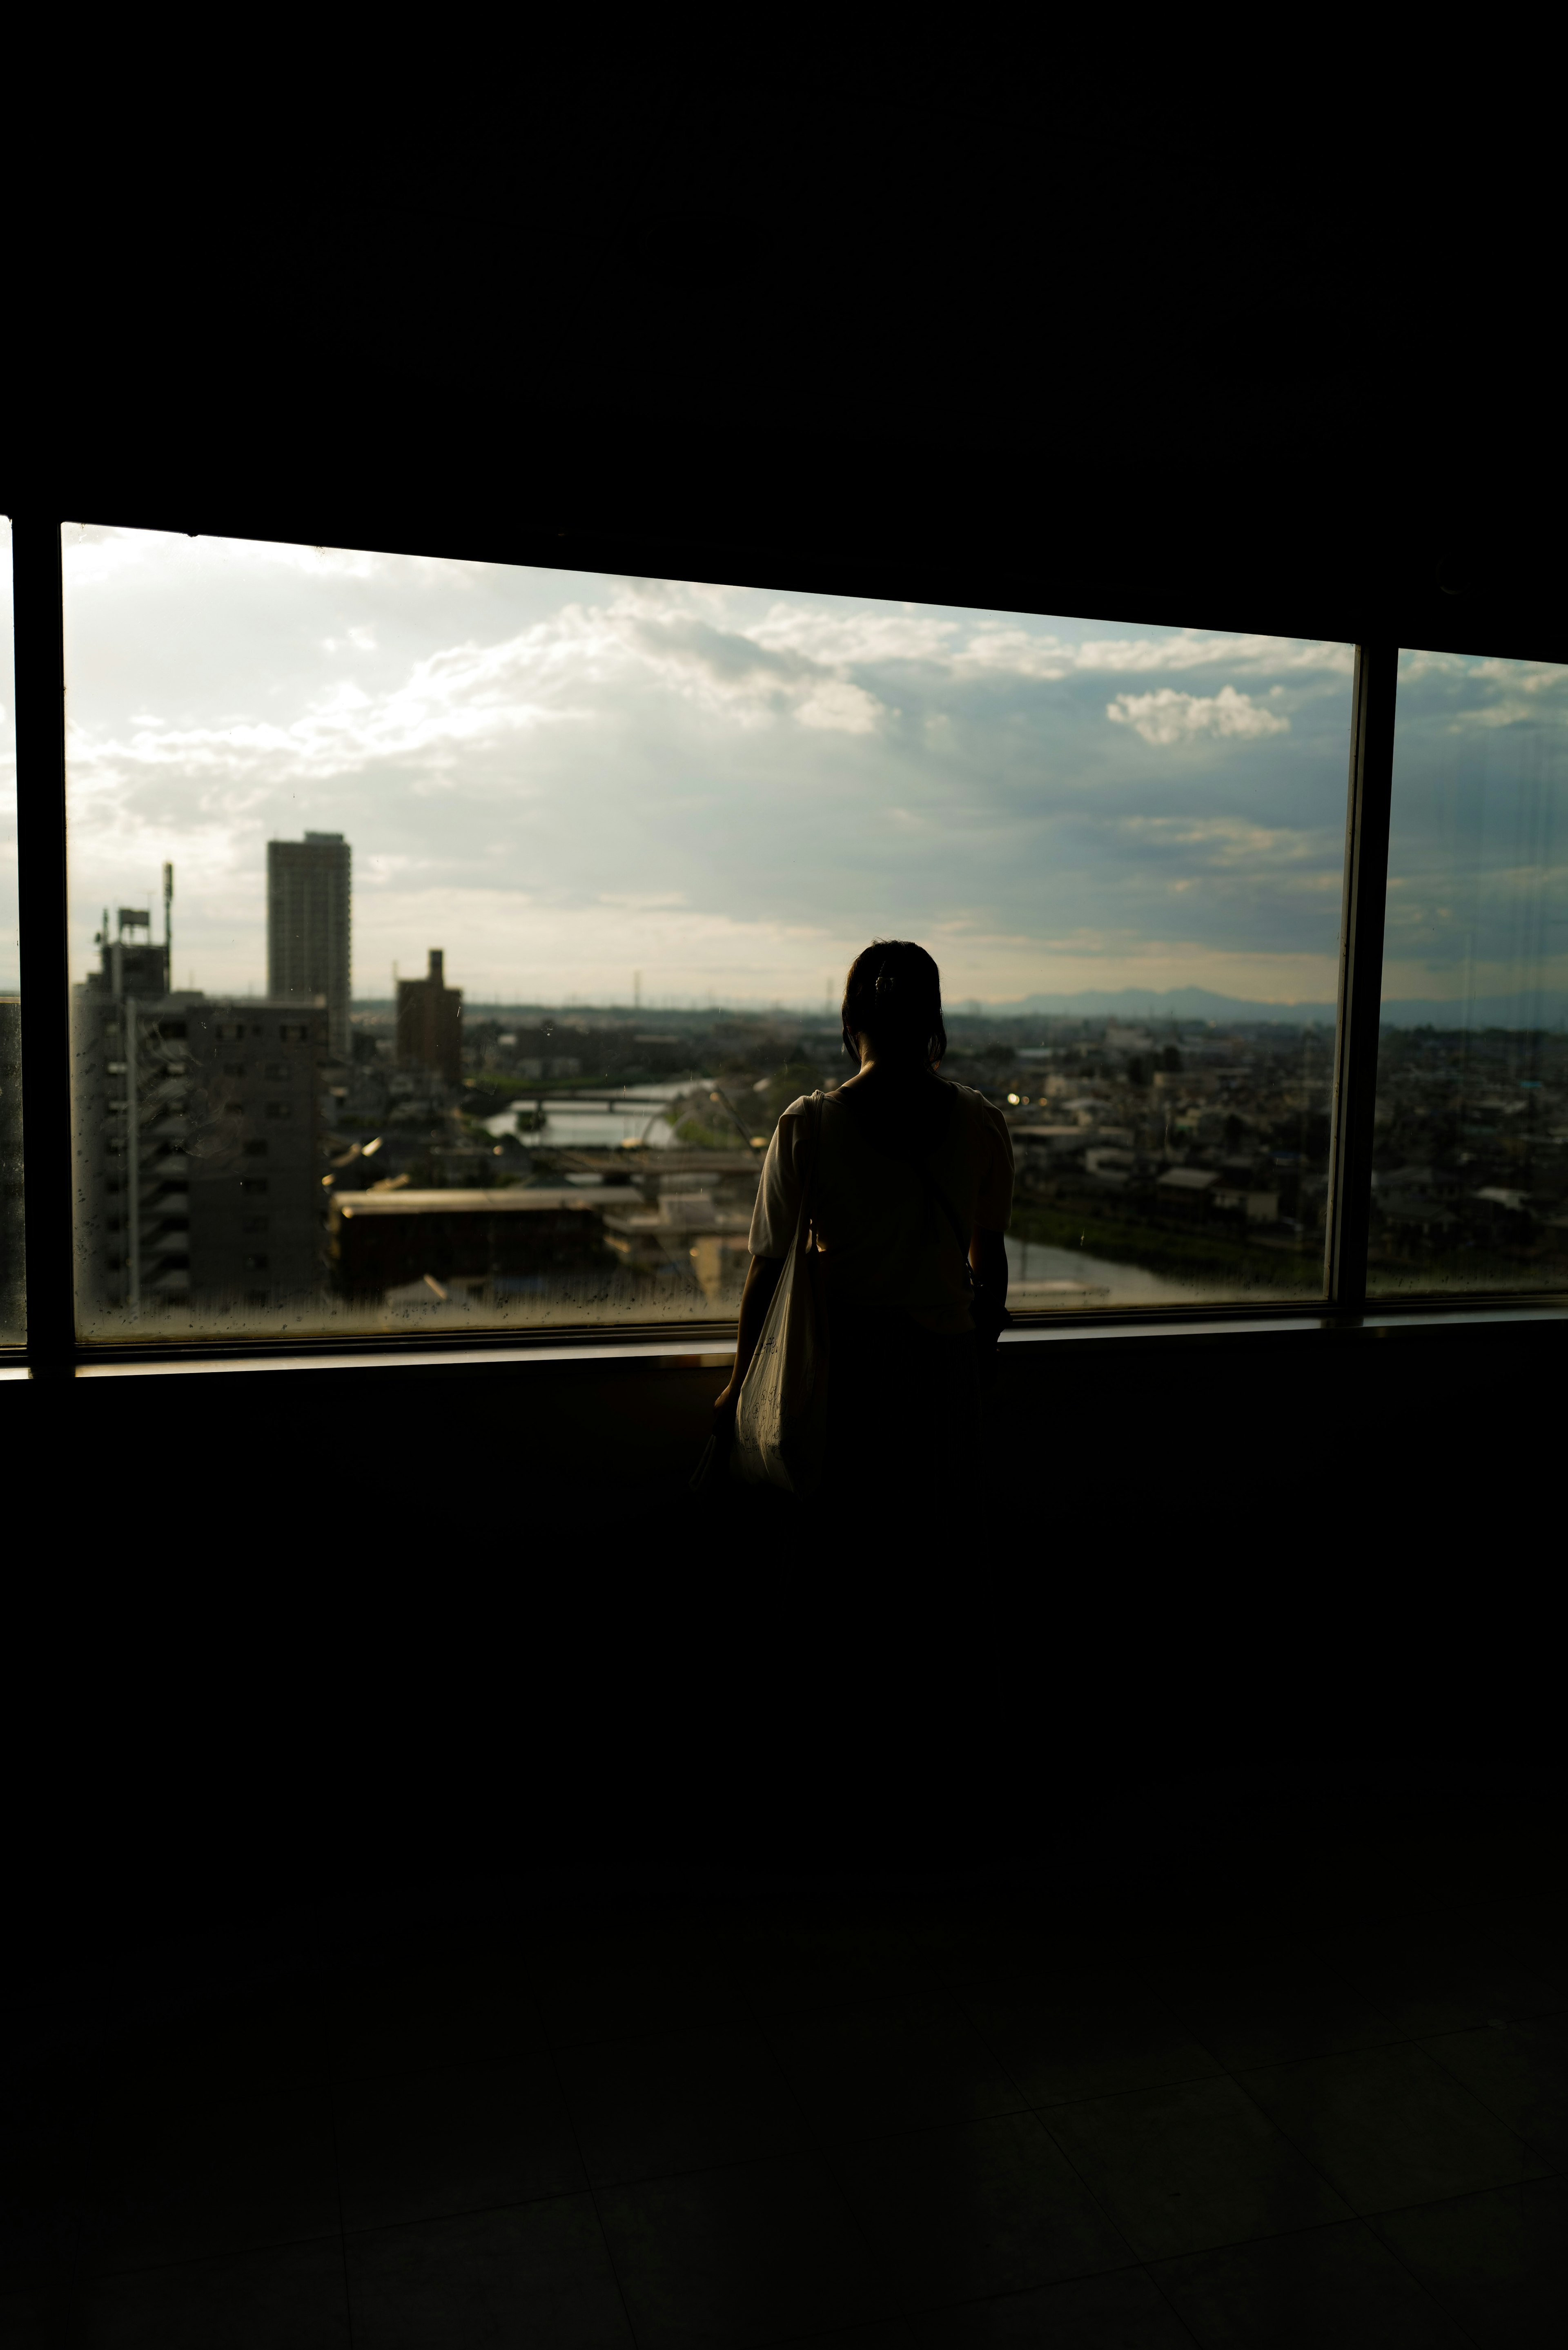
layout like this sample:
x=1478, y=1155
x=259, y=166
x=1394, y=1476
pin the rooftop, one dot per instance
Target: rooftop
x=505, y=1199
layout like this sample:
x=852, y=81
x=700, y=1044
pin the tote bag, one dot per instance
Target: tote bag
x=781, y=1416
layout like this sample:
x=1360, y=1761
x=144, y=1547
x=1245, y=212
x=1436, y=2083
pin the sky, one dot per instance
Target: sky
x=564, y=779
x=8, y=936
x=1478, y=852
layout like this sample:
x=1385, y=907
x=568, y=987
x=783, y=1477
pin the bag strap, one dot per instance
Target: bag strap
x=813, y=1123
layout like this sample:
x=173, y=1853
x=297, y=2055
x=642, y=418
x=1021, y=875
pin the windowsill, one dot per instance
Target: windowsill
x=1376, y=1316
x=702, y=1346
x=712, y=1345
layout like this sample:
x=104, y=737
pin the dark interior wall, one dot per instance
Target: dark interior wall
x=1143, y=329
x=490, y=1447
x=513, y=1444
x=405, y=1626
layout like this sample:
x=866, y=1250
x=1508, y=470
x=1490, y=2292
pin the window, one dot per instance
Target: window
x=1470, y=1182
x=538, y=886
x=568, y=868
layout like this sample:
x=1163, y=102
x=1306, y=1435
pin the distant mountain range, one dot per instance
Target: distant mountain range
x=1549, y=1009
x=1158, y=1004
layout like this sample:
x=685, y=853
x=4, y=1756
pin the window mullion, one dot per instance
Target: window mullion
x=1360, y=973
x=44, y=959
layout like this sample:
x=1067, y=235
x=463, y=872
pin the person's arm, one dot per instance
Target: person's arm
x=761, y=1280
x=988, y=1261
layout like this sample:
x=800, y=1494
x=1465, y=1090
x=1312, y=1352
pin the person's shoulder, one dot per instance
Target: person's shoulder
x=983, y=1125
x=794, y=1120
x=976, y=1108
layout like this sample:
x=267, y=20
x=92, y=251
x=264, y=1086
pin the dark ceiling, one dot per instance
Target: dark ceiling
x=1021, y=331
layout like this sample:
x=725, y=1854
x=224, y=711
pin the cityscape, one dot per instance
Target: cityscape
x=304, y=1160
x=629, y=833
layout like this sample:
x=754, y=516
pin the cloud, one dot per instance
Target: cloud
x=1025, y=653
x=1231, y=840
x=1167, y=717
x=991, y=645
x=471, y=696
x=465, y=697
x=738, y=672
x=1481, y=690
x=712, y=781
x=840, y=708
x=814, y=662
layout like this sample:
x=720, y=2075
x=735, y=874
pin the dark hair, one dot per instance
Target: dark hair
x=894, y=994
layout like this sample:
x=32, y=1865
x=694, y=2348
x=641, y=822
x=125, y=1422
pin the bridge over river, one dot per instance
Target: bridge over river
x=579, y=1120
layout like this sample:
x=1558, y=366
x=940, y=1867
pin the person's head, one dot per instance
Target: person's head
x=894, y=995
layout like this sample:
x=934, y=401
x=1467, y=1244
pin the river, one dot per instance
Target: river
x=1039, y=1277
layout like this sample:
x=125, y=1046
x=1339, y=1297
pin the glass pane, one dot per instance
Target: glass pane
x=1469, y=1186
x=448, y=936
x=13, y=1293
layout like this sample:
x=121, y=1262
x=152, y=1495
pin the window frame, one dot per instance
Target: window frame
x=52, y=1347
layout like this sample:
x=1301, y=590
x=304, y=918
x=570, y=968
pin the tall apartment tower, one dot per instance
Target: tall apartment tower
x=430, y=1023
x=308, y=926
x=199, y=1129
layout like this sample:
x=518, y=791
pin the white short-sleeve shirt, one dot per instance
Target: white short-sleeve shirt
x=888, y=1240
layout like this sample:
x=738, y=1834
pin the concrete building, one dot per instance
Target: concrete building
x=257, y=1206
x=1188, y=1189
x=198, y=1147
x=430, y=1023
x=131, y=965
x=308, y=923
x=485, y=1243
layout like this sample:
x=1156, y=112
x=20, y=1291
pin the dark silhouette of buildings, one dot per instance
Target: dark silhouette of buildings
x=430, y=1023
x=308, y=924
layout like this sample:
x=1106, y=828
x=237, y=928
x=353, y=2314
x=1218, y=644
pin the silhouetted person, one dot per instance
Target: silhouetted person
x=912, y=1195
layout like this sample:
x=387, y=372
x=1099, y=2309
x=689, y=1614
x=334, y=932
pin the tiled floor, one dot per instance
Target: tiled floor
x=1320, y=2102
